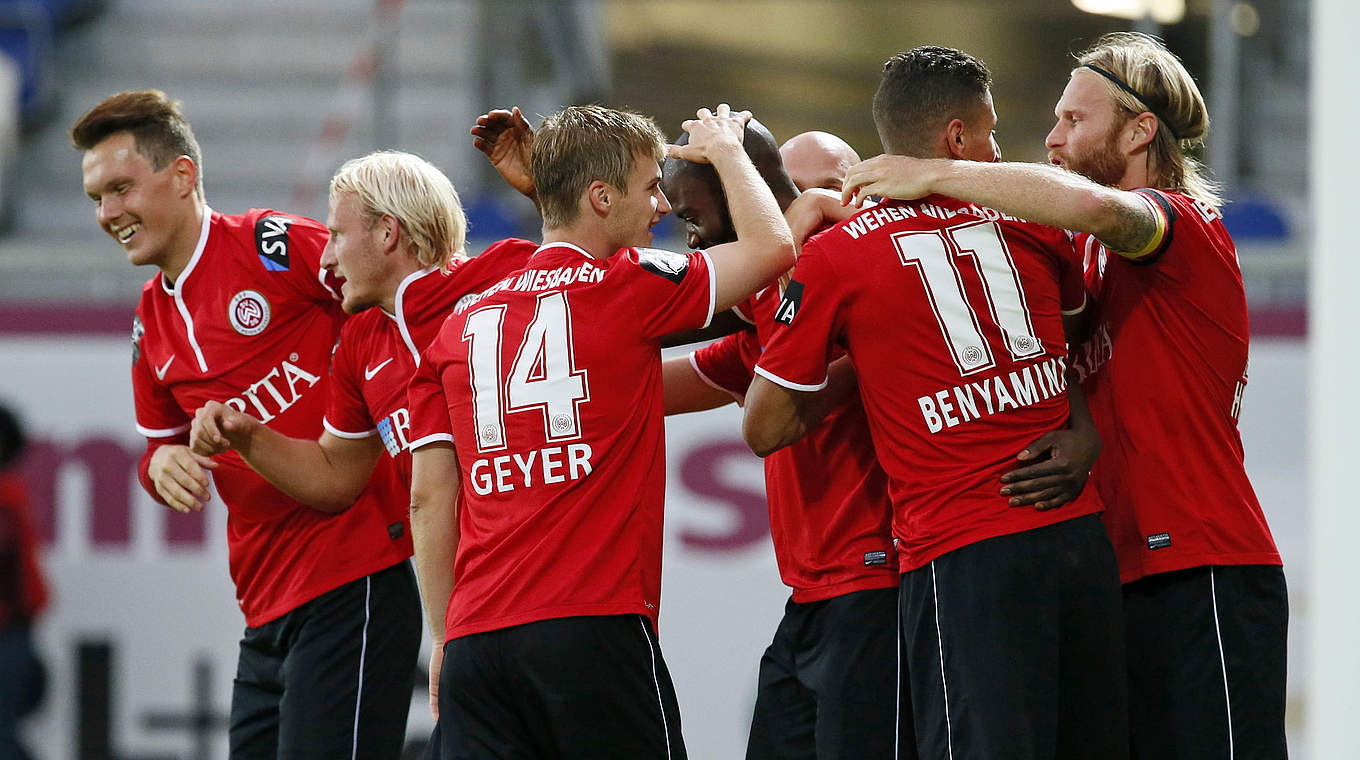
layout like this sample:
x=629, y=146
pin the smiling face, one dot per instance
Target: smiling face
x=354, y=251
x=635, y=211
x=150, y=213
x=699, y=204
x=1085, y=138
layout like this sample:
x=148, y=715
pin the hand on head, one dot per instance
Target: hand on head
x=711, y=131
x=507, y=140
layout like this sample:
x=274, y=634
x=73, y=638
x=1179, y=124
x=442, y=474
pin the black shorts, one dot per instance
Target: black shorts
x=333, y=678
x=829, y=683
x=1015, y=648
x=1207, y=653
x=587, y=687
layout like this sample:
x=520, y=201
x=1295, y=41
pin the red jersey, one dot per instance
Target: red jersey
x=550, y=385
x=951, y=315
x=23, y=594
x=378, y=352
x=1164, y=370
x=251, y=322
x=830, y=515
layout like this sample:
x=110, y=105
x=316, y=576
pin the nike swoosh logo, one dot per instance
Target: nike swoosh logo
x=160, y=371
x=372, y=371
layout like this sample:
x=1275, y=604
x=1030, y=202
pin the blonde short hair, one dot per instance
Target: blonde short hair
x=413, y=191
x=1166, y=89
x=581, y=144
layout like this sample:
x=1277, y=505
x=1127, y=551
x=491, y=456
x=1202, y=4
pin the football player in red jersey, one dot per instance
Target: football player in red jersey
x=827, y=686
x=397, y=233
x=241, y=312
x=817, y=159
x=1165, y=368
x=539, y=537
x=952, y=316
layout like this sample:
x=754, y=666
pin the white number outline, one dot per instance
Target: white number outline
x=547, y=334
x=954, y=313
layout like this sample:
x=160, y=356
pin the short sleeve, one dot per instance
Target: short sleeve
x=295, y=243
x=429, y=408
x=1165, y=215
x=728, y=364
x=158, y=413
x=1071, y=277
x=806, y=325
x=347, y=414
x=669, y=291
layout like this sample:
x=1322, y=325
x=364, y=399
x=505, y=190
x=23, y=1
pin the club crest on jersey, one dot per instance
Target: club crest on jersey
x=670, y=265
x=248, y=312
x=790, y=303
x=271, y=240
x=138, y=330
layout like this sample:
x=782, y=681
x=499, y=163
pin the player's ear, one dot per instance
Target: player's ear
x=391, y=230
x=956, y=139
x=185, y=172
x=600, y=195
x=1141, y=130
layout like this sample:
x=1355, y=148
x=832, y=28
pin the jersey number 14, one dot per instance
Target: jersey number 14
x=542, y=377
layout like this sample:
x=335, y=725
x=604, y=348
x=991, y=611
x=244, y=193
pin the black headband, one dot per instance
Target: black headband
x=1141, y=100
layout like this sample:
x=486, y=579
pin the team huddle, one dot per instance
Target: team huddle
x=997, y=405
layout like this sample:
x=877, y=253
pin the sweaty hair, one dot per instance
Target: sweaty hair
x=418, y=195
x=760, y=147
x=924, y=89
x=1167, y=90
x=155, y=122
x=581, y=144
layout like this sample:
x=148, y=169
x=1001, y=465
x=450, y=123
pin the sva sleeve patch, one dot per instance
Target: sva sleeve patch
x=667, y=264
x=790, y=303
x=271, y=240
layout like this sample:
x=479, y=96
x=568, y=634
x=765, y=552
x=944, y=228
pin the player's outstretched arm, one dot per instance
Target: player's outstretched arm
x=1041, y=193
x=326, y=474
x=764, y=246
x=179, y=477
x=684, y=391
x=435, y=490
x=777, y=416
x=507, y=141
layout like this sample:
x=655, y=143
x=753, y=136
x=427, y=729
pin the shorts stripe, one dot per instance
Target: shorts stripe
x=660, y=703
x=1222, y=659
x=897, y=717
x=363, y=650
x=944, y=682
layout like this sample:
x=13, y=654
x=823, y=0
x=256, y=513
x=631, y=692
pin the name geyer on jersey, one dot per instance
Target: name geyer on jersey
x=1032, y=383
x=545, y=466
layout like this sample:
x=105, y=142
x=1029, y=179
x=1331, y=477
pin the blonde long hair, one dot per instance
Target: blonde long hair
x=1164, y=88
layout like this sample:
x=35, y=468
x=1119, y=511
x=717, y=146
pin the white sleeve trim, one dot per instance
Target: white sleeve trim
x=338, y=433
x=162, y=432
x=1078, y=310
x=777, y=380
x=740, y=397
x=712, y=288
x=740, y=315
x=432, y=438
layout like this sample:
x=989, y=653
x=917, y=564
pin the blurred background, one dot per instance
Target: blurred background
x=140, y=633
